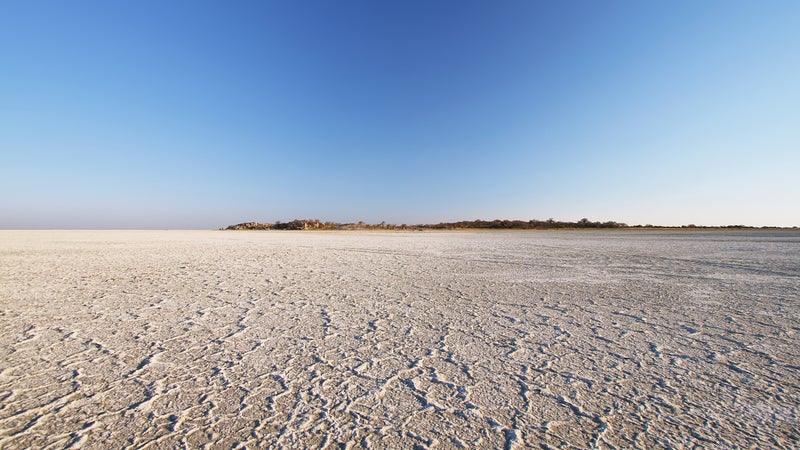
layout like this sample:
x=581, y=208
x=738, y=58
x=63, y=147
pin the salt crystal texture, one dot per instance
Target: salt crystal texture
x=223, y=339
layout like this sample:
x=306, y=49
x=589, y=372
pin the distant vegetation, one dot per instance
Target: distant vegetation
x=549, y=224
x=523, y=224
x=314, y=224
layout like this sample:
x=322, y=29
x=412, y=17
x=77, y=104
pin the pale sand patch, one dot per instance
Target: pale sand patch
x=185, y=339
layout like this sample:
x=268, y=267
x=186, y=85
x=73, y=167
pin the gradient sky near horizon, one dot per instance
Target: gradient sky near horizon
x=192, y=114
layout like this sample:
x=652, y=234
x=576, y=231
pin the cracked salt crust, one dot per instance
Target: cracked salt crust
x=153, y=339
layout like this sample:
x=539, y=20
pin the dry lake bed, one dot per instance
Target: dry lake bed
x=223, y=339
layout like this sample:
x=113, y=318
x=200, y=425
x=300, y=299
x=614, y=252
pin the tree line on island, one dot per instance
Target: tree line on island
x=497, y=224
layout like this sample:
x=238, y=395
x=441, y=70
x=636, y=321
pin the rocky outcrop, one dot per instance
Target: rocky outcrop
x=297, y=224
x=250, y=226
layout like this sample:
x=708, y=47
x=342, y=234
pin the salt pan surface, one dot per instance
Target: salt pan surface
x=184, y=339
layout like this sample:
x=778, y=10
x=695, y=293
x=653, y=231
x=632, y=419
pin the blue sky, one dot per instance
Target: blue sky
x=190, y=114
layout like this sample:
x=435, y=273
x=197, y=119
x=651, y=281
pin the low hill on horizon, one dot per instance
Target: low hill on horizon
x=497, y=224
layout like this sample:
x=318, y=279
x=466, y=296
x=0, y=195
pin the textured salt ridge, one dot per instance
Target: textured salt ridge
x=396, y=340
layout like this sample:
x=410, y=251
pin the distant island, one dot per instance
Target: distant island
x=497, y=224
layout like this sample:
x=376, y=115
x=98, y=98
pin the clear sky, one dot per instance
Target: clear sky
x=191, y=114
